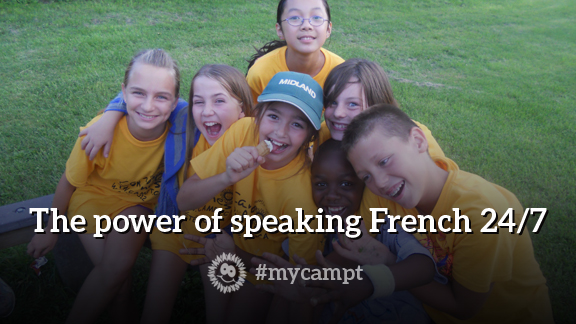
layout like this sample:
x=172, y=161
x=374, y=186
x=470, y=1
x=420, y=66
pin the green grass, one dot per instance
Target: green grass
x=493, y=80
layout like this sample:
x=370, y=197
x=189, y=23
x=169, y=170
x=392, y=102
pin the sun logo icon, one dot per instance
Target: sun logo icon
x=227, y=272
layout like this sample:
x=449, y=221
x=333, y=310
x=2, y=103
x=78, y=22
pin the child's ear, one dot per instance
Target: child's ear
x=279, y=31
x=329, y=30
x=123, y=91
x=419, y=139
x=175, y=104
x=242, y=114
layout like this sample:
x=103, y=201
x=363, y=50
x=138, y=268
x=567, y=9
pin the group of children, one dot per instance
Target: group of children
x=154, y=153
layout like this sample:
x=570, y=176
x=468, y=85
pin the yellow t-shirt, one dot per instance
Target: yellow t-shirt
x=477, y=260
x=265, y=192
x=130, y=176
x=173, y=242
x=268, y=65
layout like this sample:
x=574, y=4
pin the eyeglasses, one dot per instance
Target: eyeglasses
x=297, y=21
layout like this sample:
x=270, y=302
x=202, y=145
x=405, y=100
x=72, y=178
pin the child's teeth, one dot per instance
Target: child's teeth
x=335, y=210
x=209, y=124
x=146, y=116
x=277, y=143
x=397, y=189
x=340, y=126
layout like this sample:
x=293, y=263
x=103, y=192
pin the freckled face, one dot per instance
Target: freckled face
x=287, y=128
x=213, y=108
x=150, y=97
x=348, y=104
x=389, y=167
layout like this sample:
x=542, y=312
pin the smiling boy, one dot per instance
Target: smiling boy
x=493, y=277
x=338, y=191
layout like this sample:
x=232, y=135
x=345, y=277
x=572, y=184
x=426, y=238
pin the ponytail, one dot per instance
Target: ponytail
x=267, y=48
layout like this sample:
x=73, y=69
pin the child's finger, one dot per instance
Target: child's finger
x=276, y=260
x=93, y=152
x=107, y=149
x=195, y=238
x=260, y=160
x=88, y=148
x=82, y=133
x=193, y=251
x=330, y=296
x=343, y=252
x=30, y=249
x=299, y=260
x=343, y=240
x=197, y=262
x=323, y=262
x=43, y=252
x=246, y=153
x=253, y=151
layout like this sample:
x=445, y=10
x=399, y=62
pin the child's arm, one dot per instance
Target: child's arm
x=213, y=247
x=452, y=298
x=100, y=134
x=363, y=250
x=43, y=243
x=196, y=192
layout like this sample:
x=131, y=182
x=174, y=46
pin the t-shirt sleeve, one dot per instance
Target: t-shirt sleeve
x=213, y=161
x=79, y=166
x=255, y=82
x=433, y=147
x=482, y=258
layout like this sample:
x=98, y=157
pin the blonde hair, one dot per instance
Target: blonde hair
x=371, y=76
x=233, y=81
x=155, y=57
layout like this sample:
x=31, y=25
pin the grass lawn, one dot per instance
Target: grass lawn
x=493, y=80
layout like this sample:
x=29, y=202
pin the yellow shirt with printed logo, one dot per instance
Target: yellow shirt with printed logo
x=268, y=65
x=265, y=192
x=173, y=242
x=478, y=260
x=130, y=176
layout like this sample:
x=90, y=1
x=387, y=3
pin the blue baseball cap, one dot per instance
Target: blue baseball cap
x=299, y=90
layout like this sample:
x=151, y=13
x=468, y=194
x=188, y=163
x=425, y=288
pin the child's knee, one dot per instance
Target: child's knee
x=116, y=271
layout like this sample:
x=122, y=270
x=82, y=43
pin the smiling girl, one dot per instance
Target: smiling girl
x=350, y=88
x=219, y=97
x=127, y=183
x=288, y=116
x=303, y=27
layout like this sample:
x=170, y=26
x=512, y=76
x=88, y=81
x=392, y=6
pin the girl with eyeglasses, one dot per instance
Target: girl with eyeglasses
x=303, y=27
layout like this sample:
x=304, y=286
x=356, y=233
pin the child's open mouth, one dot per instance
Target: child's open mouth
x=335, y=210
x=278, y=146
x=212, y=128
x=395, y=192
x=339, y=127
